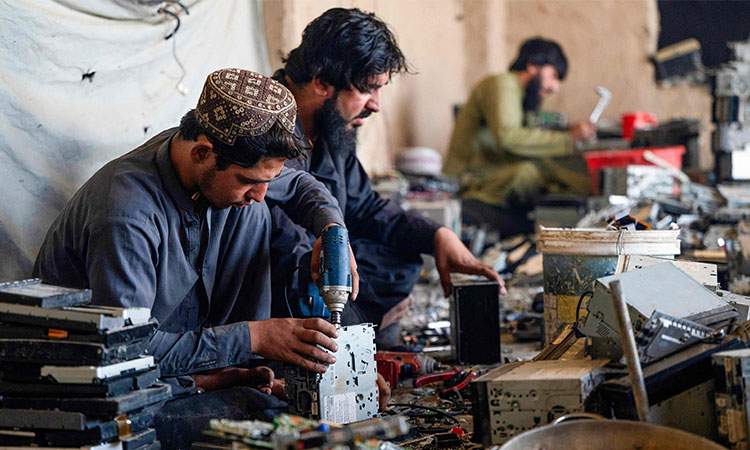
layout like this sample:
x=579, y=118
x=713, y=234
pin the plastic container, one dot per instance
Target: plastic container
x=573, y=258
x=597, y=160
x=639, y=120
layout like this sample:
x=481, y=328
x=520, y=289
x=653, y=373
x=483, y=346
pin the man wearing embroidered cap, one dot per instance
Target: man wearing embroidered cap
x=180, y=225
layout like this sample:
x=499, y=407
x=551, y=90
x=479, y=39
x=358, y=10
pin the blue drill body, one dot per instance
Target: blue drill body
x=335, y=270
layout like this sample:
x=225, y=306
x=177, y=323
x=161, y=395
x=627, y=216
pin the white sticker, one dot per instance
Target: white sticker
x=340, y=408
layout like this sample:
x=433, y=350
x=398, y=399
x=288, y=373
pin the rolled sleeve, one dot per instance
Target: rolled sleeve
x=209, y=348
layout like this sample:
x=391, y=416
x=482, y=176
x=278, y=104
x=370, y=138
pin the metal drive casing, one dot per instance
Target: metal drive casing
x=347, y=392
x=532, y=394
x=475, y=322
x=663, y=288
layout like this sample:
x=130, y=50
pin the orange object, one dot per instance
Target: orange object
x=54, y=333
x=636, y=121
x=597, y=160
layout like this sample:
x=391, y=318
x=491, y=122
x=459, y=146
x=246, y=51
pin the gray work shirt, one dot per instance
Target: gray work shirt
x=135, y=237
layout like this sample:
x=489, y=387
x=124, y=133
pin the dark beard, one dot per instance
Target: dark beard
x=532, y=100
x=332, y=128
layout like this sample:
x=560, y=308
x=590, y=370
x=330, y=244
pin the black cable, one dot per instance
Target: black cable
x=177, y=27
x=164, y=10
x=580, y=300
x=428, y=408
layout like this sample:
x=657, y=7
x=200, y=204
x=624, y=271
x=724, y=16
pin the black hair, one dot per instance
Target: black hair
x=277, y=142
x=345, y=48
x=540, y=52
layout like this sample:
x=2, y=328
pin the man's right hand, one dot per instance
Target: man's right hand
x=294, y=341
x=582, y=131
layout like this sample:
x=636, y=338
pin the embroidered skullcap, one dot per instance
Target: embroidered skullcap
x=237, y=102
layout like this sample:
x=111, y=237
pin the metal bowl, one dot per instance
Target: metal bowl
x=608, y=435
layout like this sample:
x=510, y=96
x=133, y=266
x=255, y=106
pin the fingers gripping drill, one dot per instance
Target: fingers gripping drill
x=335, y=271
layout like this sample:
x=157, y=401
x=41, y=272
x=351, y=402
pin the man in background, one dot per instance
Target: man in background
x=503, y=160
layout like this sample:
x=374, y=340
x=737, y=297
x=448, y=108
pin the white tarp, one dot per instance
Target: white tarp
x=58, y=126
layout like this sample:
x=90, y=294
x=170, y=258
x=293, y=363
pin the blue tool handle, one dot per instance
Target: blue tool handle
x=335, y=265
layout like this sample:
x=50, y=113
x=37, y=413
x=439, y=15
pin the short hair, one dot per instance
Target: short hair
x=540, y=52
x=345, y=48
x=277, y=142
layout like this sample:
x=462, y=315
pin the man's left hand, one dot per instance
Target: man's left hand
x=451, y=255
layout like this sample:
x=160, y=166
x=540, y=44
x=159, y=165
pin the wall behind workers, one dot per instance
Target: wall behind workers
x=417, y=109
x=83, y=82
x=454, y=43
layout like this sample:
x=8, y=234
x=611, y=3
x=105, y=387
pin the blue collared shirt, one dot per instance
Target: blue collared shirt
x=135, y=237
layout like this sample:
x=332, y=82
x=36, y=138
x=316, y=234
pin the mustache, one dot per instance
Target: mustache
x=365, y=113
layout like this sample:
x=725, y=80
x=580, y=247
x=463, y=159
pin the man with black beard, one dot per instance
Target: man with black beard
x=336, y=75
x=503, y=160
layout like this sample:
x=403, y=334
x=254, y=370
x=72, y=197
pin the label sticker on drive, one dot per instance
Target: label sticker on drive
x=340, y=408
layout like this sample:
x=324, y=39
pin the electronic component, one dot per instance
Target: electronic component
x=112, y=387
x=731, y=115
x=704, y=273
x=108, y=338
x=104, y=432
x=475, y=322
x=35, y=293
x=295, y=433
x=74, y=374
x=96, y=407
x=510, y=400
x=740, y=302
x=663, y=288
x=682, y=379
x=42, y=351
x=84, y=318
x=664, y=335
x=347, y=391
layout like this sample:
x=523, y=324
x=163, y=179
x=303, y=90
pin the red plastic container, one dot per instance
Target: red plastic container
x=598, y=160
x=638, y=120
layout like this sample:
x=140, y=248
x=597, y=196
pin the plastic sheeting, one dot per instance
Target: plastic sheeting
x=82, y=82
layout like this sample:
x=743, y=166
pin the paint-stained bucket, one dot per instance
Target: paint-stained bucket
x=573, y=258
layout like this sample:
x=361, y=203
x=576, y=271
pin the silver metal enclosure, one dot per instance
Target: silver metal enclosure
x=348, y=391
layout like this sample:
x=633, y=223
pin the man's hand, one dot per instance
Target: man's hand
x=451, y=255
x=260, y=378
x=294, y=341
x=315, y=266
x=384, y=392
x=582, y=131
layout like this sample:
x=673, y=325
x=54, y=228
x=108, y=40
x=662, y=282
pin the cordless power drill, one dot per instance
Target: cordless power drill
x=335, y=271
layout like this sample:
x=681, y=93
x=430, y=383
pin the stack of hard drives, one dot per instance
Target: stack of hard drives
x=75, y=375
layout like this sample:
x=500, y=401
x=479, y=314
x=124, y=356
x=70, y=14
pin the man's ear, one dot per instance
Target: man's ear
x=532, y=69
x=202, y=150
x=322, y=88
